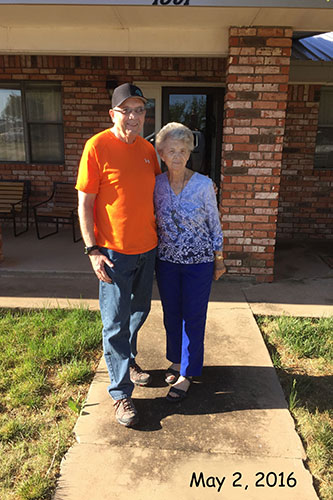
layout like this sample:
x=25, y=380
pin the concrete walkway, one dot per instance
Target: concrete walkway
x=234, y=424
x=232, y=438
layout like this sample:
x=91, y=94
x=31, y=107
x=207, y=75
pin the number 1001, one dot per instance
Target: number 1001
x=168, y=2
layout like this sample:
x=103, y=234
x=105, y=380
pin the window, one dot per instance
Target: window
x=324, y=142
x=153, y=106
x=31, y=128
x=149, y=125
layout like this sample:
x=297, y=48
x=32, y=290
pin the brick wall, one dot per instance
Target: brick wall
x=254, y=125
x=86, y=100
x=306, y=193
x=255, y=104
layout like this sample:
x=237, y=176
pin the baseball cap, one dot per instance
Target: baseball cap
x=124, y=91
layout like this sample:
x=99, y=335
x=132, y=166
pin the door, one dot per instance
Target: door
x=200, y=109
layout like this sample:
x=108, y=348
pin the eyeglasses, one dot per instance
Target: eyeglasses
x=128, y=111
x=172, y=153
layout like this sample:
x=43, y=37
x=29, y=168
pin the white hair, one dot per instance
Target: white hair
x=175, y=131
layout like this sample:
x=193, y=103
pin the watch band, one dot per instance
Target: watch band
x=87, y=250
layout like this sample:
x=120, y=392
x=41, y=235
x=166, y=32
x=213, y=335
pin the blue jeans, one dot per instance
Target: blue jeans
x=124, y=305
x=184, y=291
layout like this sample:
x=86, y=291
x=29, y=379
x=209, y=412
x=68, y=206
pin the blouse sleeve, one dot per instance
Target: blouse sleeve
x=213, y=218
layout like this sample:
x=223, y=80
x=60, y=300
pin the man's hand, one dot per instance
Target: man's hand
x=98, y=261
x=86, y=215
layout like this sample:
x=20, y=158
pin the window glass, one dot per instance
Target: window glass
x=189, y=110
x=31, y=128
x=149, y=126
x=43, y=104
x=324, y=141
x=46, y=142
x=11, y=126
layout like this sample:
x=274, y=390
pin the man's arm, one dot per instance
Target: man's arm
x=86, y=216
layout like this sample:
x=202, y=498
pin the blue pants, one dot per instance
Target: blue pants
x=184, y=291
x=124, y=305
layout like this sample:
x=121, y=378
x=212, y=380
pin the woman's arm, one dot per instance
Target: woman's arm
x=214, y=224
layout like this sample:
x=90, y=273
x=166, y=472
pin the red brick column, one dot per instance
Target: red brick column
x=255, y=107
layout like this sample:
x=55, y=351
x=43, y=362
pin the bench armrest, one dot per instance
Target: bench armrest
x=24, y=198
x=42, y=202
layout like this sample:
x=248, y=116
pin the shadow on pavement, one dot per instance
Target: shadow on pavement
x=221, y=389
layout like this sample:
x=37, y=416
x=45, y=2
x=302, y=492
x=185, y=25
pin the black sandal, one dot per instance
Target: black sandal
x=180, y=393
x=171, y=375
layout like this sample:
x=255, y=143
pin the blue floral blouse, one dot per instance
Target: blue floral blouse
x=188, y=224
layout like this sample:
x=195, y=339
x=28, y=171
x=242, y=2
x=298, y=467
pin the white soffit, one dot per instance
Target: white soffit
x=140, y=30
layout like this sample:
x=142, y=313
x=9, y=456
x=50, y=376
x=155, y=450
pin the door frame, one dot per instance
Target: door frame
x=154, y=90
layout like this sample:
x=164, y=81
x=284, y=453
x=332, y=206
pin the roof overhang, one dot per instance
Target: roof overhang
x=138, y=28
x=308, y=4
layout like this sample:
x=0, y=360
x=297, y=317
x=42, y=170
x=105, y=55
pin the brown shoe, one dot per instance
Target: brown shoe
x=126, y=413
x=138, y=376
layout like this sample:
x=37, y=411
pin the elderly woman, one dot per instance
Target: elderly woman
x=189, y=255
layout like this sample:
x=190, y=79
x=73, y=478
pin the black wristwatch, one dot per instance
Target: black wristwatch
x=87, y=250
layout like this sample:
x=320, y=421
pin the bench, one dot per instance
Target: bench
x=14, y=202
x=60, y=207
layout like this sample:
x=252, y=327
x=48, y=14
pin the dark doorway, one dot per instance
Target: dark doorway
x=200, y=109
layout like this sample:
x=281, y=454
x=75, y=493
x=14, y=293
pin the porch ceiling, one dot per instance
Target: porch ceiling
x=130, y=30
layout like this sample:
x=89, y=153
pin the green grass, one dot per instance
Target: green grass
x=306, y=337
x=47, y=360
x=302, y=353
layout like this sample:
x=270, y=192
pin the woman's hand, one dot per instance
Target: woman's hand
x=219, y=267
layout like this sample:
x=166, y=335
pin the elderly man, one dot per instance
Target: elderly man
x=115, y=182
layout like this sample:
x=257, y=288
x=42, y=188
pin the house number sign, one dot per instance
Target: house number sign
x=171, y=2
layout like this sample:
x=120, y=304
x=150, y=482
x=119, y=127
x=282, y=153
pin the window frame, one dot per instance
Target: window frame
x=23, y=87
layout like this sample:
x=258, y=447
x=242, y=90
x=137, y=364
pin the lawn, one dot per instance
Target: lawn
x=302, y=352
x=47, y=360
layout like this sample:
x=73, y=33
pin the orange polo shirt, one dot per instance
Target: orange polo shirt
x=123, y=177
